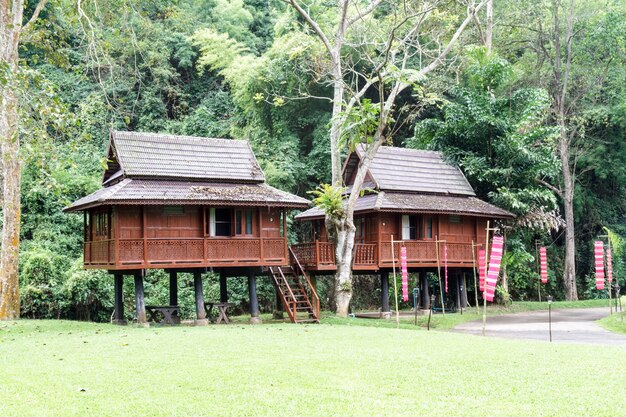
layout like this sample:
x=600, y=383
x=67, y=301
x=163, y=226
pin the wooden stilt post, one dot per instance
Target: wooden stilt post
x=384, y=294
x=485, y=286
x=118, y=318
x=173, y=288
x=254, y=302
x=223, y=287
x=464, y=302
x=475, y=278
x=395, y=281
x=458, y=292
x=425, y=292
x=201, y=319
x=443, y=304
x=140, y=304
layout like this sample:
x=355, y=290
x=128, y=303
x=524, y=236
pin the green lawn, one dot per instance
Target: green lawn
x=615, y=322
x=286, y=369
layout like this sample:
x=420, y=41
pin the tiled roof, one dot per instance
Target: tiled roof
x=149, y=191
x=155, y=155
x=401, y=169
x=419, y=203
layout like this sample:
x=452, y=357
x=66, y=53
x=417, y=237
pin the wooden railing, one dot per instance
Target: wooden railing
x=321, y=255
x=365, y=254
x=190, y=251
x=426, y=252
x=99, y=252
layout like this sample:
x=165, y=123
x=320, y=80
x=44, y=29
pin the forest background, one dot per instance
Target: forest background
x=251, y=69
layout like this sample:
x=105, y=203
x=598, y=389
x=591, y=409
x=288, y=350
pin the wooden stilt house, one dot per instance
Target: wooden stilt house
x=420, y=201
x=187, y=204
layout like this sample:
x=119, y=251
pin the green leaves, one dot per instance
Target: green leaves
x=330, y=198
x=360, y=124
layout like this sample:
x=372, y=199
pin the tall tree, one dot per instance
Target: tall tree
x=11, y=15
x=401, y=42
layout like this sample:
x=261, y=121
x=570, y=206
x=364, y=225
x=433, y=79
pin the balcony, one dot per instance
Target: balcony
x=184, y=252
x=320, y=256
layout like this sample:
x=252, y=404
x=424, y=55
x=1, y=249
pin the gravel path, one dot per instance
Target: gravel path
x=568, y=326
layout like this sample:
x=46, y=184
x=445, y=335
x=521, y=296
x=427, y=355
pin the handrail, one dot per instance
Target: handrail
x=282, y=296
x=294, y=313
x=314, y=295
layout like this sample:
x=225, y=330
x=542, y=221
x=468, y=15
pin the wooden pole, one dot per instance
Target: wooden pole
x=443, y=304
x=119, y=299
x=474, y=269
x=538, y=269
x=608, y=239
x=223, y=287
x=395, y=281
x=384, y=289
x=485, y=286
x=173, y=288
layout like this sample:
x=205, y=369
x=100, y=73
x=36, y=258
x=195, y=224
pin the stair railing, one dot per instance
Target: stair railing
x=314, y=300
x=285, y=303
x=291, y=307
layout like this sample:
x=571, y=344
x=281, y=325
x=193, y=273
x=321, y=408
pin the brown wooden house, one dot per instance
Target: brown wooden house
x=184, y=204
x=418, y=199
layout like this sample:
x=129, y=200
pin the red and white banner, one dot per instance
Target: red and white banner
x=405, y=275
x=609, y=265
x=543, y=261
x=445, y=264
x=598, y=250
x=495, y=260
x=481, y=269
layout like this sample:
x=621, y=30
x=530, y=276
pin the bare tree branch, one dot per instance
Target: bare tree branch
x=35, y=16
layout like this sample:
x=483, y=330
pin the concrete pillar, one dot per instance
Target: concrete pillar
x=118, y=318
x=201, y=319
x=384, y=293
x=254, y=302
x=140, y=304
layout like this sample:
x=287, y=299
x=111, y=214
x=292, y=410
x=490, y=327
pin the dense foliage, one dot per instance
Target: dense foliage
x=247, y=69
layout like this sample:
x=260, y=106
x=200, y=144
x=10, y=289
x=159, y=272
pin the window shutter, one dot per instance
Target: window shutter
x=212, y=222
x=406, y=228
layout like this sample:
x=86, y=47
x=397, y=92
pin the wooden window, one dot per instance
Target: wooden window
x=244, y=222
x=222, y=222
x=411, y=227
x=428, y=227
x=359, y=234
x=101, y=224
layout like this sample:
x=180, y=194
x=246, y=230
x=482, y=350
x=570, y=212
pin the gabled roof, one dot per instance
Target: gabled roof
x=159, y=192
x=411, y=170
x=399, y=202
x=156, y=155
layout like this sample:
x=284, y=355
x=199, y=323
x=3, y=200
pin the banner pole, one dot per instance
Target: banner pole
x=485, y=286
x=395, y=281
x=538, y=269
x=443, y=304
x=475, y=284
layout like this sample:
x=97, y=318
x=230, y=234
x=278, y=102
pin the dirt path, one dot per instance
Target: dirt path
x=568, y=326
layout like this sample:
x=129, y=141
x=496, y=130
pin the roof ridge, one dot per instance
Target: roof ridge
x=201, y=138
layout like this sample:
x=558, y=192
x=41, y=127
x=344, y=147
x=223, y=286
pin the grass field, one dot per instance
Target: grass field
x=286, y=369
x=615, y=323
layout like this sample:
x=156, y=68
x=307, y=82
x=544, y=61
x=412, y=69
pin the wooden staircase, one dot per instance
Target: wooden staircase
x=298, y=296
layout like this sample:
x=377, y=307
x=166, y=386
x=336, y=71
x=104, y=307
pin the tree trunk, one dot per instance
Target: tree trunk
x=489, y=26
x=10, y=25
x=569, y=270
x=343, y=276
